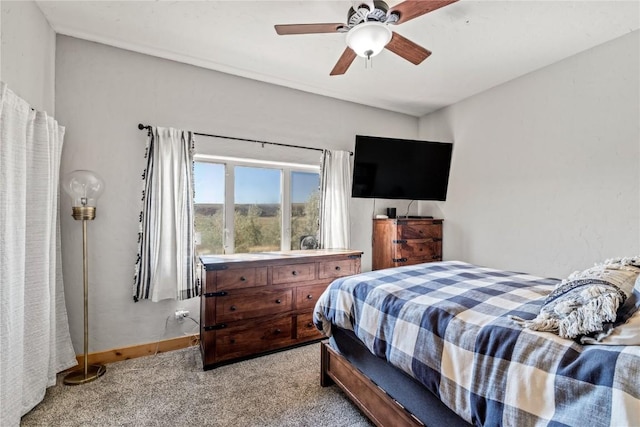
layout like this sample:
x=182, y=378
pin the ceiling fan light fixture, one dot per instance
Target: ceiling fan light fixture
x=369, y=38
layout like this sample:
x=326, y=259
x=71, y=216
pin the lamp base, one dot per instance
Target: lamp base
x=78, y=377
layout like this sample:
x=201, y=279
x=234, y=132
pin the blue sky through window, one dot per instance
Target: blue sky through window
x=208, y=182
x=257, y=185
x=303, y=184
x=253, y=185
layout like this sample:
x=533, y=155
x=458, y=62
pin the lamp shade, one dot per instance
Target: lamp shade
x=369, y=38
x=83, y=186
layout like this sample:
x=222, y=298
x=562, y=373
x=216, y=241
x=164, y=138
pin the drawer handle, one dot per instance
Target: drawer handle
x=310, y=325
x=278, y=301
x=337, y=268
x=295, y=273
x=232, y=308
x=243, y=279
x=309, y=296
x=277, y=331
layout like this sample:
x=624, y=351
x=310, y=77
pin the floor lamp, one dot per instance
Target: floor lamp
x=84, y=187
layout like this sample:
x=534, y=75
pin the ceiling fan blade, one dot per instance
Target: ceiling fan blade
x=407, y=49
x=344, y=62
x=410, y=9
x=288, y=29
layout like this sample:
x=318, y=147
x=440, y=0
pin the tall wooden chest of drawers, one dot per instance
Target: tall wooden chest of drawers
x=398, y=242
x=256, y=303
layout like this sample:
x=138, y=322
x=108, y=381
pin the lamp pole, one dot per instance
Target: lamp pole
x=85, y=279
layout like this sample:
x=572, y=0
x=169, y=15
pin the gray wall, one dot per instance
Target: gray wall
x=28, y=52
x=104, y=92
x=545, y=175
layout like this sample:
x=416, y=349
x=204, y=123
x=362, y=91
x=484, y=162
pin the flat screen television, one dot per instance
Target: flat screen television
x=391, y=168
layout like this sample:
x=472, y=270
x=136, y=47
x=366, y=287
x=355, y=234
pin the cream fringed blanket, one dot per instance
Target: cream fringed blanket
x=590, y=302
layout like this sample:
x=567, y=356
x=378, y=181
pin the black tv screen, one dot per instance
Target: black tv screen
x=391, y=168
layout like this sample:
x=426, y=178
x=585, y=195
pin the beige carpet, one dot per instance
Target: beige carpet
x=171, y=389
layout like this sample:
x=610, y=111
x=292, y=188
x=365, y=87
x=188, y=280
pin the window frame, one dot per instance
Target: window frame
x=285, y=168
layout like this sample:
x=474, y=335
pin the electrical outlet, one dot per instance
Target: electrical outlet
x=181, y=313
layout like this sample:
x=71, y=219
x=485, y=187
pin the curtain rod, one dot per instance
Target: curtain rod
x=141, y=127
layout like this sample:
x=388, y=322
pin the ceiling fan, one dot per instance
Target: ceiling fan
x=368, y=30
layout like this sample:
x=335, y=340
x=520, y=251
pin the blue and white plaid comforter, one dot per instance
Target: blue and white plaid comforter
x=447, y=325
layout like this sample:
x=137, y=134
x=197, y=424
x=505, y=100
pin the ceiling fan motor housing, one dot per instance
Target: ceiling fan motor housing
x=363, y=12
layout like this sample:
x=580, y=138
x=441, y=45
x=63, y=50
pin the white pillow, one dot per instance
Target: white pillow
x=626, y=334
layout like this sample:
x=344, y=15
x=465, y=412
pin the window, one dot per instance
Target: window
x=253, y=206
x=257, y=215
x=305, y=200
x=209, y=207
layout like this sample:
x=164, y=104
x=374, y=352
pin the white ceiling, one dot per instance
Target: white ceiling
x=476, y=44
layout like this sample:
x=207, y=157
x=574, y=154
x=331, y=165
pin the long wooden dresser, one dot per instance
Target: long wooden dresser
x=257, y=303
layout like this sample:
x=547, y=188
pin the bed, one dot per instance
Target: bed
x=446, y=343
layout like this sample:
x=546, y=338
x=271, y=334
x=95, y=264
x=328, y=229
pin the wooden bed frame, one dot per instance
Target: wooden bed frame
x=384, y=393
x=376, y=404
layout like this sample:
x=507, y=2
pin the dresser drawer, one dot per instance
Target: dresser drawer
x=253, y=337
x=418, y=230
x=253, y=303
x=305, y=328
x=294, y=273
x=338, y=268
x=426, y=249
x=239, y=278
x=307, y=296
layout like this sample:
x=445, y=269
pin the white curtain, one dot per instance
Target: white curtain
x=335, y=188
x=165, y=268
x=34, y=330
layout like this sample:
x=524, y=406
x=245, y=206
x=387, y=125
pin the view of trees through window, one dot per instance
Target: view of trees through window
x=258, y=208
x=209, y=207
x=304, y=211
x=257, y=217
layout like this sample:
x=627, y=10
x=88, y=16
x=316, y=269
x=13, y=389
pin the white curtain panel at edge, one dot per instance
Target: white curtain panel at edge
x=34, y=331
x=335, y=187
